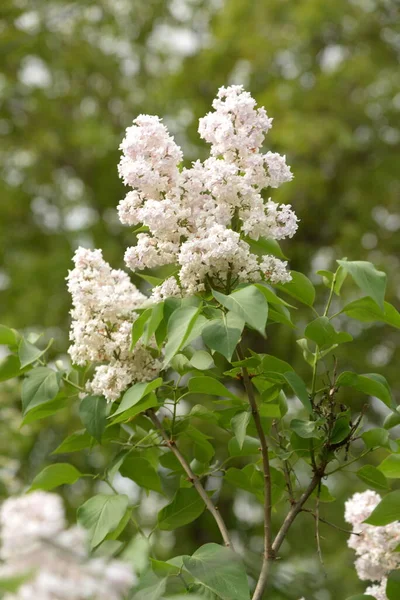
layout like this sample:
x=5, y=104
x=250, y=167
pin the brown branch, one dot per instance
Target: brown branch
x=192, y=478
x=297, y=507
x=268, y=551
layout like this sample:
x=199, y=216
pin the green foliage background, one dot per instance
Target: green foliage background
x=75, y=74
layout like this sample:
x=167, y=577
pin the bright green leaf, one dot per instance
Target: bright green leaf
x=367, y=311
x=390, y=466
x=55, y=475
x=135, y=393
x=180, y=326
x=210, y=386
x=323, y=333
x=239, y=426
x=102, y=514
x=249, y=303
x=202, y=360
x=371, y=281
x=41, y=385
x=138, y=327
x=224, y=334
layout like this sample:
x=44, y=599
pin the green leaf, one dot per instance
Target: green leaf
x=135, y=393
x=387, y=511
x=392, y=419
x=341, y=430
x=151, y=587
x=153, y=281
x=180, y=326
x=185, y=507
x=305, y=429
x=299, y=288
x=220, y=570
x=299, y=388
x=250, y=446
x=376, y=437
x=46, y=410
x=393, y=585
x=367, y=311
x=138, y=327
x=249, y=303
x=41, y=385
x=164, y=569
x=323, y=333
x=210, y=386
x=102, y=514
x=8, y=337
x=274, y=364
x=28, y=353
x=239, y=426
x=10, y=367
x=371, y=281
x=390, y=466
x=373, y=477
x=55, y=475
x=157, y=314
x=224, y=334
x=265, y=246
x=328, y=277
x=371, y=384
x=202, y=360
x=145, y=403
x=74, y=442
x=93, y=411
x=141, y=472
x=361, y=597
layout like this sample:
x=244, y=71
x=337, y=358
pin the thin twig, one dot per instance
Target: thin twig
x=317, y=536
x=192, y=478
x=268, y=552
x=306, y=510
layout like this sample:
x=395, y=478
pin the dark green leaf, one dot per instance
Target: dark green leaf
x=220, y=570
x=393, y=585
x=371, y=384
x=299, y=288
x=138, y=327
x=141, y=472
x=210, y=386
x=93, y=411
x=373, y=477
x=387, y=511
x=322, y=333
x=299, y=388
x=185, y=507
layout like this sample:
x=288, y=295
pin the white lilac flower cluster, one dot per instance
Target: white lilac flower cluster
x=374, y=546
x=198, y=218
x=35, y=543
x=104, y=302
